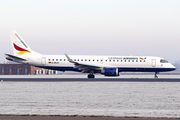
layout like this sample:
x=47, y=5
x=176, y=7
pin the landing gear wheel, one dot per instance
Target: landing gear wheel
x=90, y=76
x=155, y=76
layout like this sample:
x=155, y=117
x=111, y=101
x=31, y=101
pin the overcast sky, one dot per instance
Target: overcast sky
x=94, y=27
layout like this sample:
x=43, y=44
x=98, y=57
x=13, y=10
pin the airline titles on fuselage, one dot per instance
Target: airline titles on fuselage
x=124, y=58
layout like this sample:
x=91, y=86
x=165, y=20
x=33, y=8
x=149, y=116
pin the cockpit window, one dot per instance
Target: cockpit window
x=163, y=61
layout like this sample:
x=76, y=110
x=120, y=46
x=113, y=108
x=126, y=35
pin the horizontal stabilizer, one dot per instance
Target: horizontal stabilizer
x=14, y=58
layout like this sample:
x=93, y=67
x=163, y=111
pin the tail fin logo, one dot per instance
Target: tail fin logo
x=22, y=50
x=143, y=58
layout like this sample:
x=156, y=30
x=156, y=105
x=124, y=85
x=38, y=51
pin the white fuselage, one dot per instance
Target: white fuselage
x=123, y=63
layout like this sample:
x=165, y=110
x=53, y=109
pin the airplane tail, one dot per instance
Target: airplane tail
x=20, y=48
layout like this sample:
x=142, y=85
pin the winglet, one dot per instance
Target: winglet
x=69, y=59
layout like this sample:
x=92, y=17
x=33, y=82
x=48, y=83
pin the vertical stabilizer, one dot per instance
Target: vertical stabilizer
x=19, y=45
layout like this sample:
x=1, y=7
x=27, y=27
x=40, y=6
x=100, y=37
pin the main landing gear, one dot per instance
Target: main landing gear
x=156, y=75
x=91, y=75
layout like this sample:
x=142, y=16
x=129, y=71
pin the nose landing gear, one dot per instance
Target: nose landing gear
x=156, y=75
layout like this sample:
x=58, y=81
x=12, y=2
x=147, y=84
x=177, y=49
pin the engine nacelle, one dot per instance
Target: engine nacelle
x=110, y=72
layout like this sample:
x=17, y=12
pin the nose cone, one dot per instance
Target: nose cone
x=172, y=67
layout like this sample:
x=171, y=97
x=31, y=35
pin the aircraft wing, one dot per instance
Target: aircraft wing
x=14, y=58
x=85, y=67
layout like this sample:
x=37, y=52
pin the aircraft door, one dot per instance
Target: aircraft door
x=153, y=62
x=43, y=60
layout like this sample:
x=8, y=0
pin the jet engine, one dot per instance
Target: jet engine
x=110, y=72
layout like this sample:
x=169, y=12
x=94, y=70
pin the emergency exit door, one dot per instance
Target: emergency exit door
x=43, y=61
x=153, y=63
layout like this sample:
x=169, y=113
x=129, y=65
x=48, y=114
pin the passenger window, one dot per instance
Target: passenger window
x=64, y=59
x=129, y=60
x=109, y=60
x=78, y=60
x=85, y=60
x=140, y=60
x=89, y=60
x=117, y=60
x=113, y=60
x=93, y=60
x=132, y=60
x=74, y=59
x=56, y=59
x=52, y=59
x=81, y=59
x=124, y=60
x=97, y=60
x=49, y=59
x=136, y=60
x=106, y=60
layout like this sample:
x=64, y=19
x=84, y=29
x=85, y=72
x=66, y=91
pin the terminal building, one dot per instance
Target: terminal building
x=23, y=69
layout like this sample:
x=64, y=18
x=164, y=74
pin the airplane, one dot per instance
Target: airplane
x=105, y=65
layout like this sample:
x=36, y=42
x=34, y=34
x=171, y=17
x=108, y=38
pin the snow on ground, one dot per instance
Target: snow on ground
x=120, y=99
